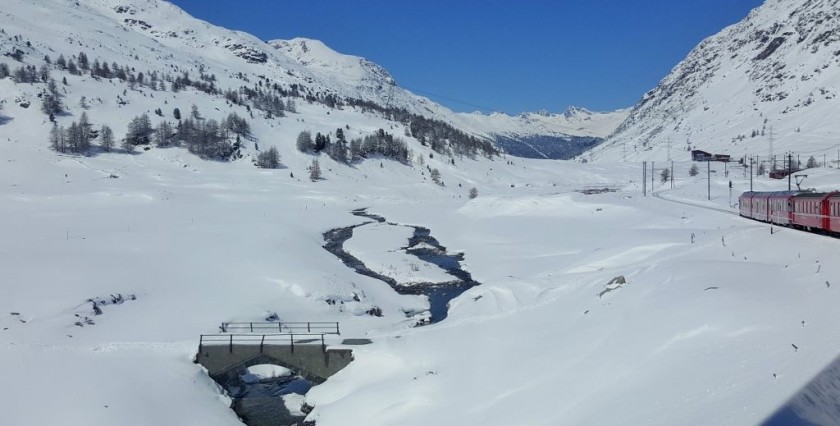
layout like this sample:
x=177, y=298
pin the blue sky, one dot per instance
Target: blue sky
x=501, y=55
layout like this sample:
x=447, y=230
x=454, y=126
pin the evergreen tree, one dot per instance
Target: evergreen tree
x=127, y=145
x=176, y=113
x=139, y=130
x=665, y=175
x=321, y=142
x=84, y=134
x=61, y=63
x=44, y=73
x=237, y=124
x=338, y=151
x=106, y=138
x=315, y=170
x=57, y=141
x=304, y=141
x=71, y=67
x=51, y=100
x=435, y=175
x=355, y=149
x=74, y=137
x=812, y=163
x=164, y=134
x=83, y=61
x=269, y=159
x=473, y=192
x=693, y=170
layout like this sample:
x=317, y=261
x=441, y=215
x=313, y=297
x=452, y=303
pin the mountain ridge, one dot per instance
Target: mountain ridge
x=776, y=69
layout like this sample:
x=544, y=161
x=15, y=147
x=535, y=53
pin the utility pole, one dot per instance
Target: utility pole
x=730, y=193
x=751, y=173
x=652, y=175
x=669, y=148
x=672, y=175
x=644, y=178
x=709, y=179
x=790, y=168
x=725, y=169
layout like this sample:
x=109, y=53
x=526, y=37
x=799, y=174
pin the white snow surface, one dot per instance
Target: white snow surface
x=381, y=246
x=701, y=333
x=256, y=373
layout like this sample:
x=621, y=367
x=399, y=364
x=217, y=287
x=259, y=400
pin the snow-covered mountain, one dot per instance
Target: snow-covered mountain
x=547, y=135
x=156, y=37
x=535, y=135
x=776, y=73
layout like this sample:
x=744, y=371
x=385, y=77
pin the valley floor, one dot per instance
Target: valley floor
x=719, y=331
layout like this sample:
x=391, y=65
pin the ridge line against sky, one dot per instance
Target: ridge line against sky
x=504, y=55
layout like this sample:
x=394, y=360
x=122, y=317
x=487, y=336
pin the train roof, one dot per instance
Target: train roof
x=818, y=194
x=774, y=193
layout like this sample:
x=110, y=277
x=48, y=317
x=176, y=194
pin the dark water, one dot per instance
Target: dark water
x=261, y=404
x=422, y=245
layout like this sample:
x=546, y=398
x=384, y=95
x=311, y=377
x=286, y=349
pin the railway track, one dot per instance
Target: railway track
x=658, y=194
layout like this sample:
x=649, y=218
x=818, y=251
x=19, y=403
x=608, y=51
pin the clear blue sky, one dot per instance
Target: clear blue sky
x=504, y=55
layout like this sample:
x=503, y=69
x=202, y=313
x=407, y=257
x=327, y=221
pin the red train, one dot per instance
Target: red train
x=809, y=211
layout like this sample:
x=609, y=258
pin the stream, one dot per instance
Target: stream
x=263, y=403
x=421, y=245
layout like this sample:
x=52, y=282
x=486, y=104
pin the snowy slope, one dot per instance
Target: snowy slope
x=546, y=134
x=188, y=243
x=777, y=69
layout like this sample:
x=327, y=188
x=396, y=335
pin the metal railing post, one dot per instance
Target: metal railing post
x=200, y=342
x=262, y=341
x=292, y=341
x=308, y=329
x=252, y=326
x=231, y=344
x=323, y=344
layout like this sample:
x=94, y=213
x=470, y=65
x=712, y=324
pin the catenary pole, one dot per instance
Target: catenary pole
x=709, y=179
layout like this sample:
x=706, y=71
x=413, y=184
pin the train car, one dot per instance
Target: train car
x=833, y=202
x=745, y=203
x=780, y=207
x=758, y=206
x=810, y=211
x=775, y=207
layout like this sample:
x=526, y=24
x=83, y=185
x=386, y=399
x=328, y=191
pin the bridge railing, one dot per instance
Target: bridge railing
x=262, y=340
x=280, y=327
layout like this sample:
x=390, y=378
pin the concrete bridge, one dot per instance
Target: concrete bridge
x=226, y=356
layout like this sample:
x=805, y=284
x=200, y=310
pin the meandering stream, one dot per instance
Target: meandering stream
x=259, y=404
x=422, y=245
